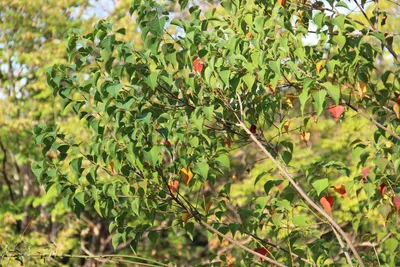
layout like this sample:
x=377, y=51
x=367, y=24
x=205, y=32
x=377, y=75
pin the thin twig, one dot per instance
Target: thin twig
x=346, y=253
x=236, y=243
x=372, y=120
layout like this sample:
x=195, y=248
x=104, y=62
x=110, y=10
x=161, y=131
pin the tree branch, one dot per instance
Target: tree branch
x=3, y=170
x=372, y=120
x=289, y=176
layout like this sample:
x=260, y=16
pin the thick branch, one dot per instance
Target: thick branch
x=289, y=176
x=8, y=182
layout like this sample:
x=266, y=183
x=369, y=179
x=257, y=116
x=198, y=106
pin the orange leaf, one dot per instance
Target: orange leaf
x=282, y=2
x=396, y=202
x=250, y=35
x=208, y=206
x=113, y=172
x=362, y=89
x=253, y=129
x=198, y=66
x=327, y=203
x=271, y=88
x=187, y=175
x=173, y=186
x=340, y=189
x=228, y=142
x=336, y=111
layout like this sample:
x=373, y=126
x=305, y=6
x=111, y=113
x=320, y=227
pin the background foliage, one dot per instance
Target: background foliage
x=155, y=131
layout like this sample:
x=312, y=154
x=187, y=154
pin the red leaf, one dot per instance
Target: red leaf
x=341, y=189
x=396, y=202
x=382, y=188
x=253, y=129
x=398, y=97
x=261, y=251
x=365, y=172
x=166, y=142
x=282, y=2
x=327, y=203
x=336, y=111
x=231, y=265
x=198, y=67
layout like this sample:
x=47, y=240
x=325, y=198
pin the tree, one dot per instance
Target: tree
x=32, y=39
x=166, y=119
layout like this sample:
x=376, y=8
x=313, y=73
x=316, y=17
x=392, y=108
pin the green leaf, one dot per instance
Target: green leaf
x=300, y=220
x=151, y=80
x=340, y=40
x=223, y=160
x=384, y=210
x=153, y=236
x=135, y=206
x=80, y=196
x=304, y=96
x=76, y=165
x=153, y=155
x=208, y=111
x=269, y=184
x=333, y=91
x=157, y=26
x=97, y=207
x=275, y=66
x=114, y=89
x=115, y=240
x=320, y=185
x=370, y=189
x=201, y=168
x=391, y=245
x=319, y=100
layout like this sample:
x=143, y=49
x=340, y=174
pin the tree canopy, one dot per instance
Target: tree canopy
x=269, y=128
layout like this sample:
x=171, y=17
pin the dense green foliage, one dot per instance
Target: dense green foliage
x=209, y=130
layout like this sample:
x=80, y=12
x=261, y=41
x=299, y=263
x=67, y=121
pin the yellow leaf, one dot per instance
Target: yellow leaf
x=305, y=137
x=396, y=109
x=362, y=89
x=185, y=216
x=187, y=175
x=235, y=178
x=289, y=100
x=286, y=126
x=319, y=65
